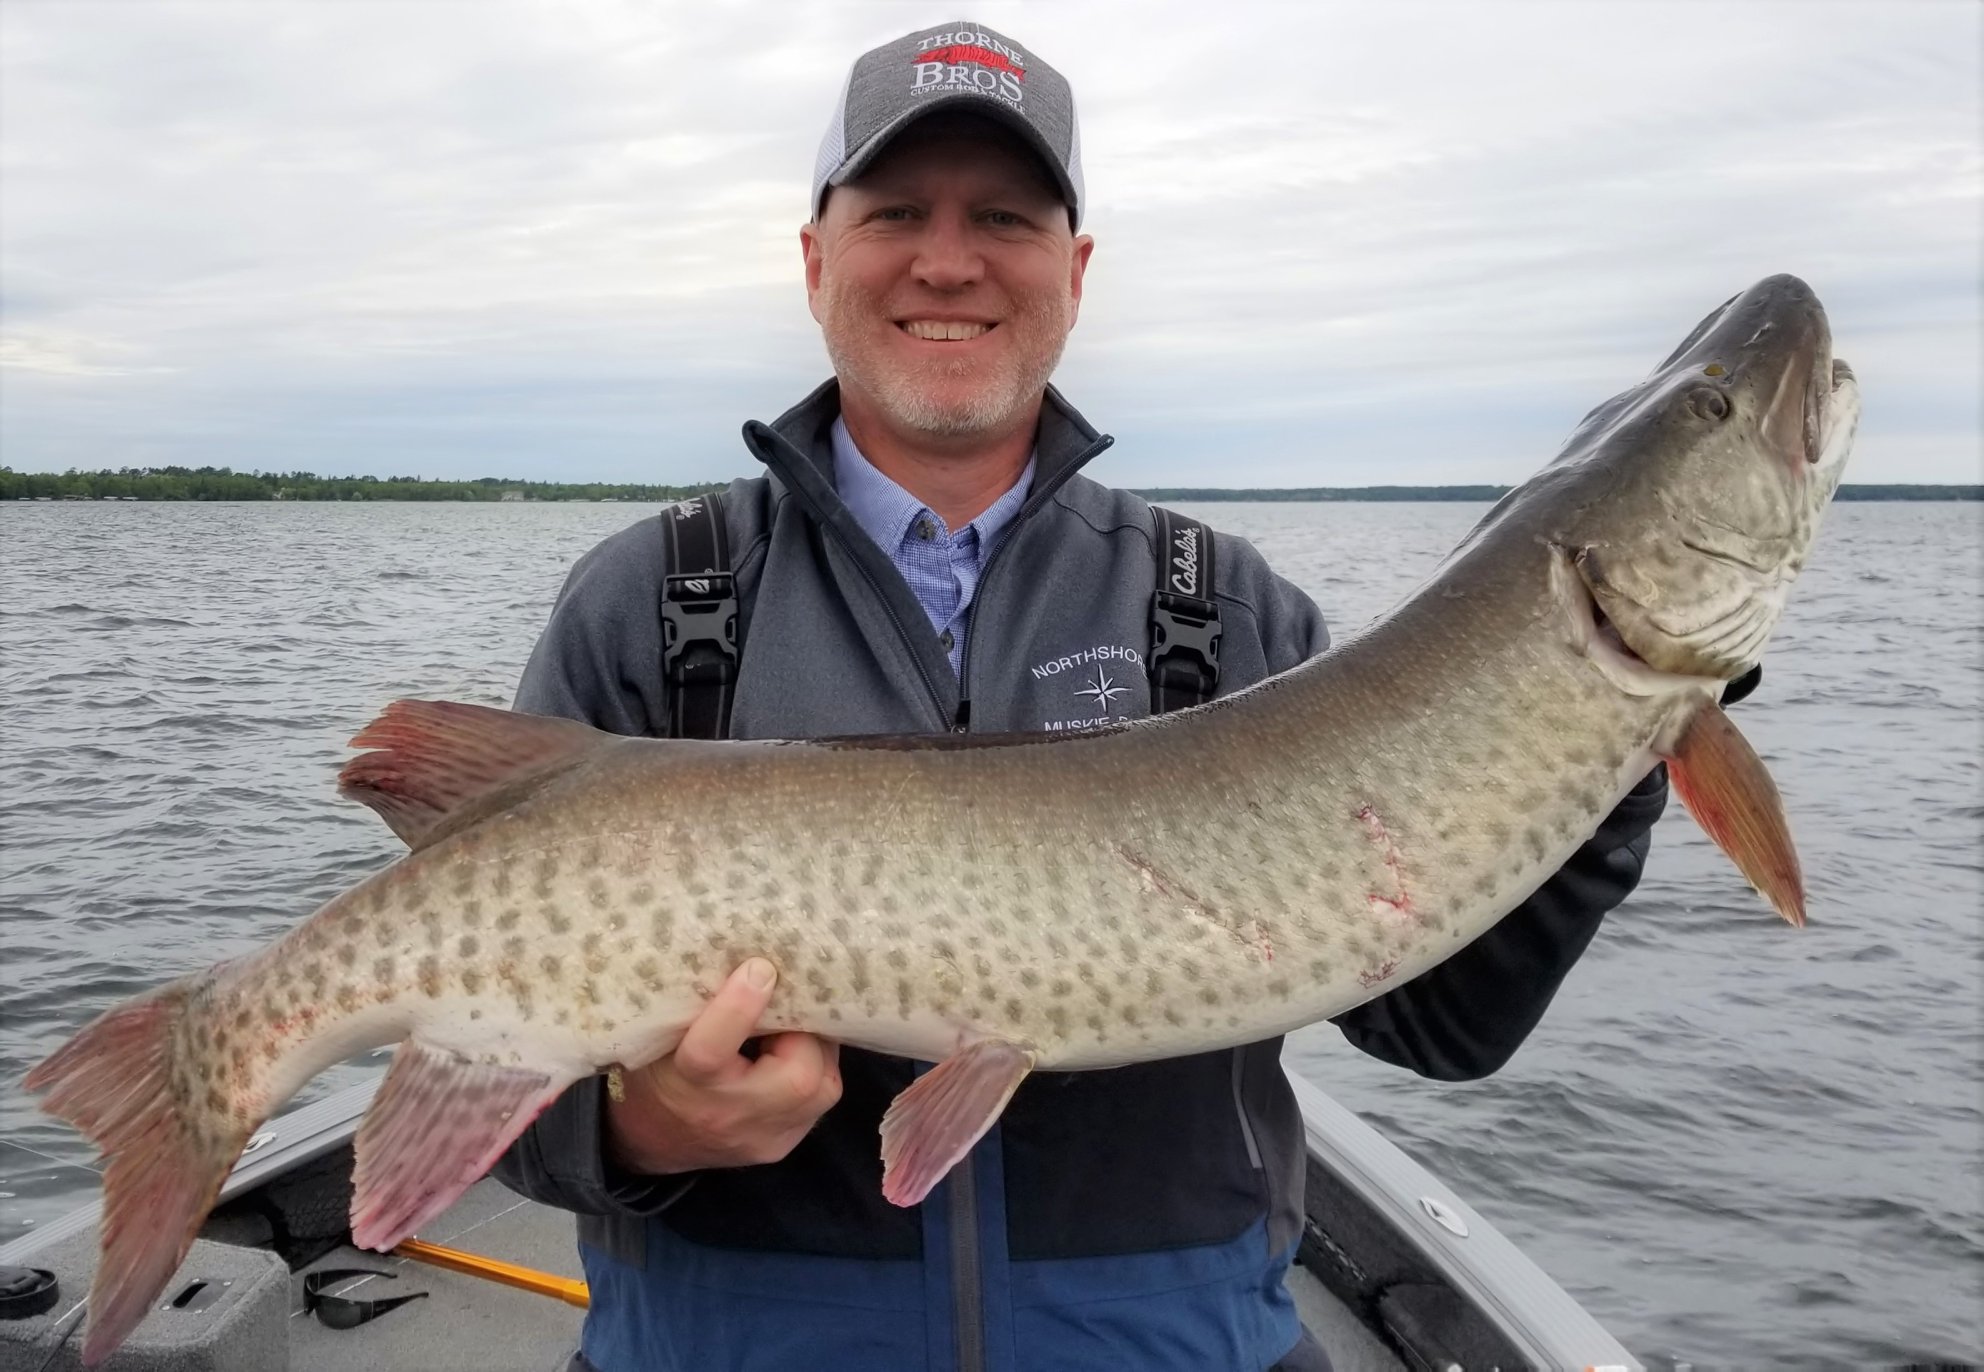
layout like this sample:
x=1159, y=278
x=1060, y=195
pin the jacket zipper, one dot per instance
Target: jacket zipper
x=902, y=630
x=967, y=1274
x=967, y=1278
x=1240, y=1109
x=962, y=723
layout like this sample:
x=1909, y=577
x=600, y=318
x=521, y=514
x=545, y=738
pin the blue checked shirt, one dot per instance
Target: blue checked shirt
x=940, y=567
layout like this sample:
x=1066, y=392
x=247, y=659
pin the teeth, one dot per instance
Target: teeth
x=943, y=331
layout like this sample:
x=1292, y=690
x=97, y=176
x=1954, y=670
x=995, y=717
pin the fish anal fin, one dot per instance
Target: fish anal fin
x=433, y=758
x=438, y=1123
x=1722, y=781
x=944, y=1112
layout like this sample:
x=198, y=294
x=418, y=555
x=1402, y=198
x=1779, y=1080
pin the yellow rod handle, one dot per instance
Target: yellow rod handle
x=490, y=1269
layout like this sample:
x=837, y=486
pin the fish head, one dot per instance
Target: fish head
x=1707, y=483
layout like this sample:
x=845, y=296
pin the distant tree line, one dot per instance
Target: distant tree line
x=1387, y=493
x=1491, y=493
x=219, y=483
x=1868, y=492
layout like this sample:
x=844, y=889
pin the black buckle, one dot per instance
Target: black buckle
x=1185, y=633
x=699, y=609
x=348, y=1312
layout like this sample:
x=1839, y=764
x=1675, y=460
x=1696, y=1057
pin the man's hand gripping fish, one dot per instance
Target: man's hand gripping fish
x=995, y=904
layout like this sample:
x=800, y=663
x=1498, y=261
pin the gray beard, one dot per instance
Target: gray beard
x=905, y=397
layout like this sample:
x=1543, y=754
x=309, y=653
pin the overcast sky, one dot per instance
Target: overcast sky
x=1335, y=245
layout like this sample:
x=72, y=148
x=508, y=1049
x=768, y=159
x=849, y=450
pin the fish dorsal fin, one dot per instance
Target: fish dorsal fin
x=438, y=765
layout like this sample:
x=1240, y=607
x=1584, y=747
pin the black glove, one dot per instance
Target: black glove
x=1742, y=685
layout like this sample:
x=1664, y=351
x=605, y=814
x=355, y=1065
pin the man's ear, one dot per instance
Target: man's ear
x=1077, y=269
x=810, y=249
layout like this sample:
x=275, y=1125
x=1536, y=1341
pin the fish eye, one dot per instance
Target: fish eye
x=1708, y=403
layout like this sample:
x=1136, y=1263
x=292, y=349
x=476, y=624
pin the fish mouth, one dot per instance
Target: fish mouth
x=1794, y=424
x=1809, y=422
x=1841, y=419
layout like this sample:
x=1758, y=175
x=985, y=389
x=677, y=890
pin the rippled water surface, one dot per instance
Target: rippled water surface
x=1735, y=1142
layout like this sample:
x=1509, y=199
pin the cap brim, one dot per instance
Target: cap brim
x=967, y=102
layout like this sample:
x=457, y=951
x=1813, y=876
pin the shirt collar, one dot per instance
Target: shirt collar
x=885, y=510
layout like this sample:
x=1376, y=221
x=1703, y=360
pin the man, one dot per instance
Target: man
x=923, y=556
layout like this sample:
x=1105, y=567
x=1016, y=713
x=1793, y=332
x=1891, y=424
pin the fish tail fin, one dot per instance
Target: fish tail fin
x=167, y=1145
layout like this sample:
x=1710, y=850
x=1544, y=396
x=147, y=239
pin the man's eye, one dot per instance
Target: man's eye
x=1003, y=219
x=895, y=214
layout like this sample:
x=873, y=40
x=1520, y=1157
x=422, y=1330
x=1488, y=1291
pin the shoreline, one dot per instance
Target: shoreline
x=23, y=488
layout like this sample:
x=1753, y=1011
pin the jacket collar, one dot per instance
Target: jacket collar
x=798, y=448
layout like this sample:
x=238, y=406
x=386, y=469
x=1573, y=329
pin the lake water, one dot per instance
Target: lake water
x=1736, y=1142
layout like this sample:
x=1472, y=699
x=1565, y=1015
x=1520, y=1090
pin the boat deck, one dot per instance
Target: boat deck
x=466, y=1324
x=1394, y=1271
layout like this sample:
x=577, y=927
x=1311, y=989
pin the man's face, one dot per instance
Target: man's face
x=945, y=280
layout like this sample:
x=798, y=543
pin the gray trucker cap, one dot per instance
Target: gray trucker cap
x=957, y=67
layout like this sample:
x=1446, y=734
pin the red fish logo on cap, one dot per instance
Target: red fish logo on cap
x=957, y=54
x=948, y=65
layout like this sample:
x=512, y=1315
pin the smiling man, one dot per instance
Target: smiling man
x=923, y=556
x=946, y=279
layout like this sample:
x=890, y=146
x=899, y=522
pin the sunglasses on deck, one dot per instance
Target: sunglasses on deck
x=348, y=1312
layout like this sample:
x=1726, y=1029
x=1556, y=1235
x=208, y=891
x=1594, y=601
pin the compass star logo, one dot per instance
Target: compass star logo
x=1104, y=689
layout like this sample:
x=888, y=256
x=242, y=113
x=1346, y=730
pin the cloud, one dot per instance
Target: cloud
x=1397, y=243
x=59, y=355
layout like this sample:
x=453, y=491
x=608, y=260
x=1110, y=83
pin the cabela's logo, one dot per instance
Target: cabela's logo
x=1185, y=561
x=971, y=59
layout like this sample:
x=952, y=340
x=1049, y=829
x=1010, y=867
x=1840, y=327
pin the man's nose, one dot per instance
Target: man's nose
x=948, y=256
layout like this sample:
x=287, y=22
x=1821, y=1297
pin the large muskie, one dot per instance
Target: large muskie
x=997, y=904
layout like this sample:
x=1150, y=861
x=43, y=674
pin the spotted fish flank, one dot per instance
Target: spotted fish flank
x=1000, y=904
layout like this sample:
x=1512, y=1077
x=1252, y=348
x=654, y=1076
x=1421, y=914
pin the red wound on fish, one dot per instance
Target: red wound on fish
x=1398, y=900
x=1722, y=781
x=438, y=1123
x=943, y=1113
x=164, y=1157
x=435, y=756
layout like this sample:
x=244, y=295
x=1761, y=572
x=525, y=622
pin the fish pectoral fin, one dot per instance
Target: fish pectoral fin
x=1722, y=781
x=944, y=1112
x=437, y=1124
x=437, y=765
